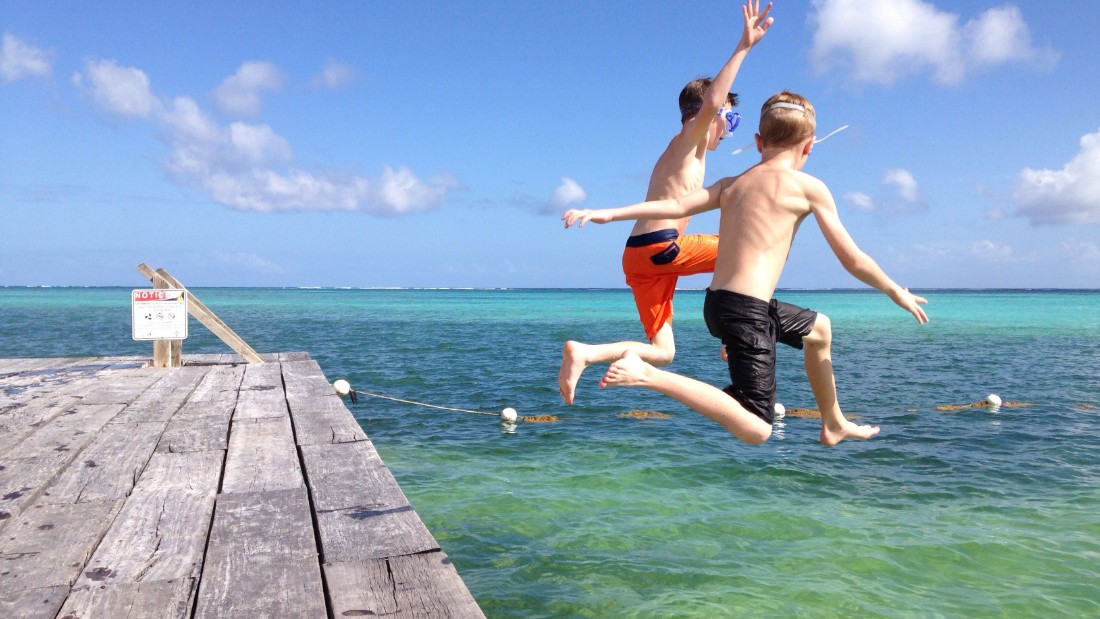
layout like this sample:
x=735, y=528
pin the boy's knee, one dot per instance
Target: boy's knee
x=758, y=436
x=663, y=357
x=822, y=332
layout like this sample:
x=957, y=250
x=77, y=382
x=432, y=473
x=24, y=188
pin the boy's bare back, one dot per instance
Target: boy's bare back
x=761, y=211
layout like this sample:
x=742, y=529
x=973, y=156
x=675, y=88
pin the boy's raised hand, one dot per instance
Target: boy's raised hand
x=756, y=22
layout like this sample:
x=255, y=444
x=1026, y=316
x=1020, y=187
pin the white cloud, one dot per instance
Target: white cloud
x=239, y=94
x=249, y=166
x=399, y=191
x=904, y=195
x=568, y=194
x=860, y=200
x=19, y=60
x=119, y=90
x=333, y=75
x=1082, y=253
x=1000, y=35
x=903, y=181
x=1067, y=196
x=881, y=41
x=991, y=252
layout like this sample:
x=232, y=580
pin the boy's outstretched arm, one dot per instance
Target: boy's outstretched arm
x=858, y=263
x=703, y=199
x=756, y=26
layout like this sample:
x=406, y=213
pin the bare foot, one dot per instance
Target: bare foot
x=629, y=371
x=573, y=362
x=832, y=436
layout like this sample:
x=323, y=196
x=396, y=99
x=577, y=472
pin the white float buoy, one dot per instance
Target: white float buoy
x=342, y=387
x=509, y=415
x=780, y=411
x=993, y=399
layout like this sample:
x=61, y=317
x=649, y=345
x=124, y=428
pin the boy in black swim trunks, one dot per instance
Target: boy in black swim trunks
x=761, y=210
x=658, y=252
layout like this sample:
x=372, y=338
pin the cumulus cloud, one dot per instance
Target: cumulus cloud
x=19, y=59
x=568, y=194
x=1067, y=196
x=902, y=194
x=240, y=93
x=860, y=200
x=992, y=252
x=333, y=75
x=881, y=41
x=249, y=166
x=119, y=90
x=904, y=183
x=1082, y=253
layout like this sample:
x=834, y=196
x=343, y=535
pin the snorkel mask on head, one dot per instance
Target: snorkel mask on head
x=732, y=119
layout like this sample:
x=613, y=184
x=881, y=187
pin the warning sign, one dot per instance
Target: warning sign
x=159, y=314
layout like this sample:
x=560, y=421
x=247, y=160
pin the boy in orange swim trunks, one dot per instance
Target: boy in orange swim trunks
x=761, y=211
x=657, y=252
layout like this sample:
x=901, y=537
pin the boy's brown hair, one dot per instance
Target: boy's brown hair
x=787, y=119
x=691, y=97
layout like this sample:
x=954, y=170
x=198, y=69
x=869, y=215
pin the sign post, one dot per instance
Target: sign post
x=160, y=315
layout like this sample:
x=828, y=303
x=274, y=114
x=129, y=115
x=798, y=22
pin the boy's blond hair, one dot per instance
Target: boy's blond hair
x=786, y=119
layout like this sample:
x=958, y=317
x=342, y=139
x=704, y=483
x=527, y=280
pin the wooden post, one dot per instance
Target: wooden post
x=166, y=353
x=196, y=308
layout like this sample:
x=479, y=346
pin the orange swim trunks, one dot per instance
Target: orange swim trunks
x=653, y=262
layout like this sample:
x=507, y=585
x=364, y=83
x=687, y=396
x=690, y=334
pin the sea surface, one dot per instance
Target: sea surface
x=974, y=512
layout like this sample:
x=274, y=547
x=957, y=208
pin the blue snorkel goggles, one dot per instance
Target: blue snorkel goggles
x=732, y=120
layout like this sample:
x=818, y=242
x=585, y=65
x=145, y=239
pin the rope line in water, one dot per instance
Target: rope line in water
x=446, y=408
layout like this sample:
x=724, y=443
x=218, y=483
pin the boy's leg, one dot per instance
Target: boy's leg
x=819, y=370
x=575, y=356
x=710, y=401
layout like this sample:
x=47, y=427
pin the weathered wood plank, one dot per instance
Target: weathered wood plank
x=219, y=380
x=361, y=511
x=157, y=536
x=143, y=600
x=262, y=558
x=109, y=466
x=261, y=393
x=40, y=603
x=304, y=379
x=421, y=585
x=200, y=434
x=124, y=387
x=66, y=434
x=195, y=471
x=325, y=421
x=49, y=544
x=142, y=555
x=21, y=420
x=262, y=456
x=22, y=482
x=161, y=400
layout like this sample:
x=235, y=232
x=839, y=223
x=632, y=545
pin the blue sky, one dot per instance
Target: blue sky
x=436, y=144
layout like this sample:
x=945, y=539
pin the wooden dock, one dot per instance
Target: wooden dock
x=216, y=489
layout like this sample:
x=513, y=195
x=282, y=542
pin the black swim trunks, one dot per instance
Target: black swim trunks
x=749, y=328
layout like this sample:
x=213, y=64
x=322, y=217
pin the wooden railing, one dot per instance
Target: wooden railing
x=166, y=353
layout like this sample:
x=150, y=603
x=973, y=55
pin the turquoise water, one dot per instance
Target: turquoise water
x=970, y=513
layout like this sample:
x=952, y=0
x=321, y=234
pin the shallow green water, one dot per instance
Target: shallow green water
x=970, y=513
